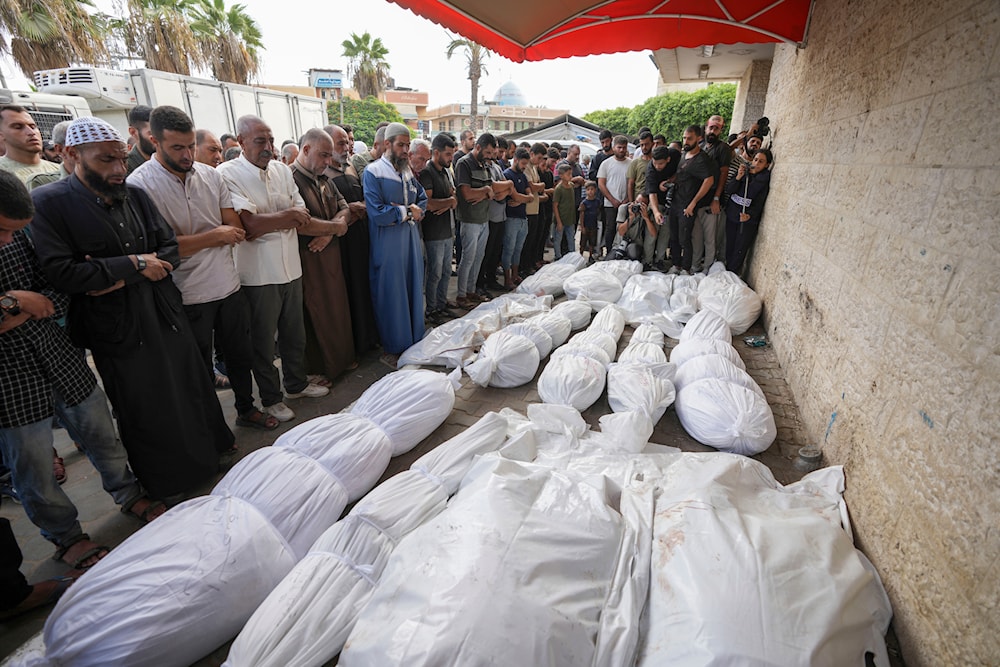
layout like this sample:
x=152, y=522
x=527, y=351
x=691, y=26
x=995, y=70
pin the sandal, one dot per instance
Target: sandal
x=78, y=564
x=221, y=381
x=58, y=468
x=147, y=515
x=321, y=380
x=59, y=586
x=254, y=418
x=390, y=360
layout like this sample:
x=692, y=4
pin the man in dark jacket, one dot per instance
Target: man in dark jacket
x=747, y=195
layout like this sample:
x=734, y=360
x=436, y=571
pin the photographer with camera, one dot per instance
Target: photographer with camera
x=634, y=228
x=747, y=195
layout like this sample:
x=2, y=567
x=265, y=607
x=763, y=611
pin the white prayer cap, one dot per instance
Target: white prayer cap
x=90, y=130
x=360, y=146
x=396, y=129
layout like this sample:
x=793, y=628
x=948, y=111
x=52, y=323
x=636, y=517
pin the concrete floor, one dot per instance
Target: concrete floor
x=106, y=525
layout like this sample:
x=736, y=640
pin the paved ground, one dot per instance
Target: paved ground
x=102, y=520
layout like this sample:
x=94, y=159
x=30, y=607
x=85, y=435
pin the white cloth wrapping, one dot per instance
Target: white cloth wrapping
x=707, y=324
x=646, y=299
x=594, y=286
x=452, y=344
x=716, y=280
x=641, y=387
x=748, y=572
x=572, y=379
x=622, y=269
x=605, y=341
x=726, y=416
x=737, y=304
x=547, y=280
x=297, y=494
x=714, y=366
x=578, y=313
x=171, y=593
x=610, y=320
x=506, y=360
x=574, y=259
x=690, y=349
x=307, y=618
x=642, y=353
x=536, y=334
x=683, y=305
x=515, y=307
x=581, y=349
x=526, y=559
x=557, y=325
x=647, y=333
x=408, y=405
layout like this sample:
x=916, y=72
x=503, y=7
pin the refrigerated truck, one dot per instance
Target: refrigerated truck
x=47, y=110
x=212, y=105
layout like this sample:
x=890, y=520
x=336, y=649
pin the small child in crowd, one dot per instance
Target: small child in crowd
x=563, y=210
x=590, y=210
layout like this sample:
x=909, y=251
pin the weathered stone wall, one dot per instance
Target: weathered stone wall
x=751, y=93
x=878, y=263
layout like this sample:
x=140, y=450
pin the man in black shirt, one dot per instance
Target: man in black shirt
x=695, y=176
x=595, y=163
x=660, y=175
x=437, y=227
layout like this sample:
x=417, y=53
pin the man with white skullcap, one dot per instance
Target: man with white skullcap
x=396, y=202
x=105, y=244
x=361, y=160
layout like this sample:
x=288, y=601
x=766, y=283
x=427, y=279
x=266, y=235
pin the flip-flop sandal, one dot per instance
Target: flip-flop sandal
x=90, y=553
x=62, y=585
x=257, y=419
x=59, y=469
x=221, y=381
x=145, y=515
x=389, y=360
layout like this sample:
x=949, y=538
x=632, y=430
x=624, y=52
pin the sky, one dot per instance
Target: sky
x=417, y=57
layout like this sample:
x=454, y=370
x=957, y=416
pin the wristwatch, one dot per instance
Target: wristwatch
x=10, y=305
x=140, y=263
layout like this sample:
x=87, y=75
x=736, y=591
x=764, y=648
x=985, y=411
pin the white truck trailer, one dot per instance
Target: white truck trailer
x=212, y=105
x=47, y=110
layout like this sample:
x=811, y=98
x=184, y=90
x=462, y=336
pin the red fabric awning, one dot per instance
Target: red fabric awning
x=540, y=30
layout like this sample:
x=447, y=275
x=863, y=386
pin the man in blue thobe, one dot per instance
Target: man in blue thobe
x=396, y=202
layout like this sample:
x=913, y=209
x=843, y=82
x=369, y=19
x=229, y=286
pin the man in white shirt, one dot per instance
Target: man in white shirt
x=195, y=202
x=271, y=210
x=612, y=180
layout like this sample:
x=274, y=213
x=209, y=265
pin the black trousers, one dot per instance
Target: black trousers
x=227, y=321
x=14, y=587
x=491, y=260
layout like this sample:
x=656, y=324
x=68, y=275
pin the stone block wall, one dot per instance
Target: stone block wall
x=751, y=94
x=878, y=263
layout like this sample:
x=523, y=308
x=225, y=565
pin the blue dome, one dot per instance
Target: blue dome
x=510, y=95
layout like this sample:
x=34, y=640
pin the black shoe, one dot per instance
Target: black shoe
x=483, y=295
x=496, y=287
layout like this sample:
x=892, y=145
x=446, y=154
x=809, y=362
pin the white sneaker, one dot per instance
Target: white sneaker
x=310, y=391
x=684, y=272
x=674, y=270
x=280, y=411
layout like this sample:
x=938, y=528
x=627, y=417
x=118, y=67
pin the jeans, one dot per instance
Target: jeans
x=515, y=231
x=438, y=273
x=277, y=308
x=569, y=233
x=474, y=237
x=703, y=238
x=227, y=321
x=491, y=260
x=28, y=452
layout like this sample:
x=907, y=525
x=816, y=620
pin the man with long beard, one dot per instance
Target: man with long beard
x=106, y=245
x=396, y=202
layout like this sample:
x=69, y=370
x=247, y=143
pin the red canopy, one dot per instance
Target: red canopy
x=542, y=29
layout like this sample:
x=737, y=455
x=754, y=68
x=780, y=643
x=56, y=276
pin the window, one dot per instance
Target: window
x=506, y=125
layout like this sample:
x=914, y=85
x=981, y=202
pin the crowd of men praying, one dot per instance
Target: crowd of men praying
x=183, y=262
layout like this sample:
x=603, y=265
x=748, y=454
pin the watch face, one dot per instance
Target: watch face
x=7, y=302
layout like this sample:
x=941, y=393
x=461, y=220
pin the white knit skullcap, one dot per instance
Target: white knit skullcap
x=395, y=130
x=90, y=130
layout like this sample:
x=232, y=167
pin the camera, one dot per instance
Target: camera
x=763, y=127
x=636, y=208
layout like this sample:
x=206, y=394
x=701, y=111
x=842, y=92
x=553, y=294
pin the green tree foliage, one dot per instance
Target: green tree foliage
x=475, y=57
x=367, y=65
x=46, y=34
x=230, y=39
x=615, y=120
x=669, y=114
x=364, y=115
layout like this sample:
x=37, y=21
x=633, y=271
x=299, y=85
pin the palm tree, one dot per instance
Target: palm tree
x=47, y=34
x=159, y=31
x=230, y=40
x=367, y=65
x=475, y=56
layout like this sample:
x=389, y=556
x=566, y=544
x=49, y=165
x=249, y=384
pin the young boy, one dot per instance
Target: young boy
x=564, y=210
x=590, y=211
